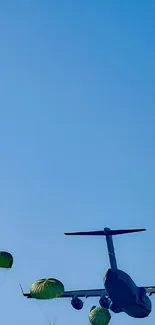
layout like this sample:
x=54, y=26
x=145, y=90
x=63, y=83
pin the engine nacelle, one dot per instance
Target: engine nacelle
x=77, y=303
x=114, y=308
x=104, y=302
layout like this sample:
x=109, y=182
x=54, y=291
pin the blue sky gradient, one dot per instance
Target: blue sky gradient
x=77, y=116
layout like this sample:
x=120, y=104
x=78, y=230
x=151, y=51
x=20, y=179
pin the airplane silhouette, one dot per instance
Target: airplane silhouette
x=120, y=293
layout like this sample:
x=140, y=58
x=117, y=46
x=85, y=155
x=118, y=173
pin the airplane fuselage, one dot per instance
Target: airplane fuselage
x=125, y=296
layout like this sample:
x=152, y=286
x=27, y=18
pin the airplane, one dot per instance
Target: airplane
x=120, y=293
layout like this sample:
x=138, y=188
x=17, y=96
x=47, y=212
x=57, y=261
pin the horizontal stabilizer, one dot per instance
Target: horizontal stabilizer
x=104, y=232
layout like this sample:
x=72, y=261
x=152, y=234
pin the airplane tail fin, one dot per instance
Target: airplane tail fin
x=105, y=232
x=108, y=233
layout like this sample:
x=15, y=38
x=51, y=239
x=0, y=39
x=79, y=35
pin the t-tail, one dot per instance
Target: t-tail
x=108, y=233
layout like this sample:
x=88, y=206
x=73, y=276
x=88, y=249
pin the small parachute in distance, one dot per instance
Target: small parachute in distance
x=6, y=260
x=99, y=316
x=47, y=289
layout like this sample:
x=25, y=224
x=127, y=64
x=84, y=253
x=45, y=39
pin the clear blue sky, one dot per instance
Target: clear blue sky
x=77, y=116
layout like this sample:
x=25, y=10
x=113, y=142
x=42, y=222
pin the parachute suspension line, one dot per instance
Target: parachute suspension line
x=3, y=274
x=45, y=315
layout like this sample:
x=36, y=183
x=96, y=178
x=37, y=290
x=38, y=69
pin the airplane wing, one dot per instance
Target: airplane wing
x=150, y=290
x=84, y=293
x=77, y=293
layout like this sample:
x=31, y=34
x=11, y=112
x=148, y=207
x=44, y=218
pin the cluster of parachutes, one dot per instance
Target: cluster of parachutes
x=53, y=288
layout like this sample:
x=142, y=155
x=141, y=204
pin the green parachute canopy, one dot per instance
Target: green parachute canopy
x=6, y=260
x=47, y=289
x=93, y=307
x=99, y=316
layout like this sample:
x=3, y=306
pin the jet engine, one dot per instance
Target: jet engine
x=104, y=302
x=77, y=303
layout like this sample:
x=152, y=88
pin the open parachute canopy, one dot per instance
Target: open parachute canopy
x=99, y=316
x=6, y=260
x=47, y=289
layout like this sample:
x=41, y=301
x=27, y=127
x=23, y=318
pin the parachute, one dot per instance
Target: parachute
x=47, y=289
x=6, y=260
x=99, y=316
x=93, y=307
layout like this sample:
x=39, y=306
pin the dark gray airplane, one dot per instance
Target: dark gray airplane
x=121, y=294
